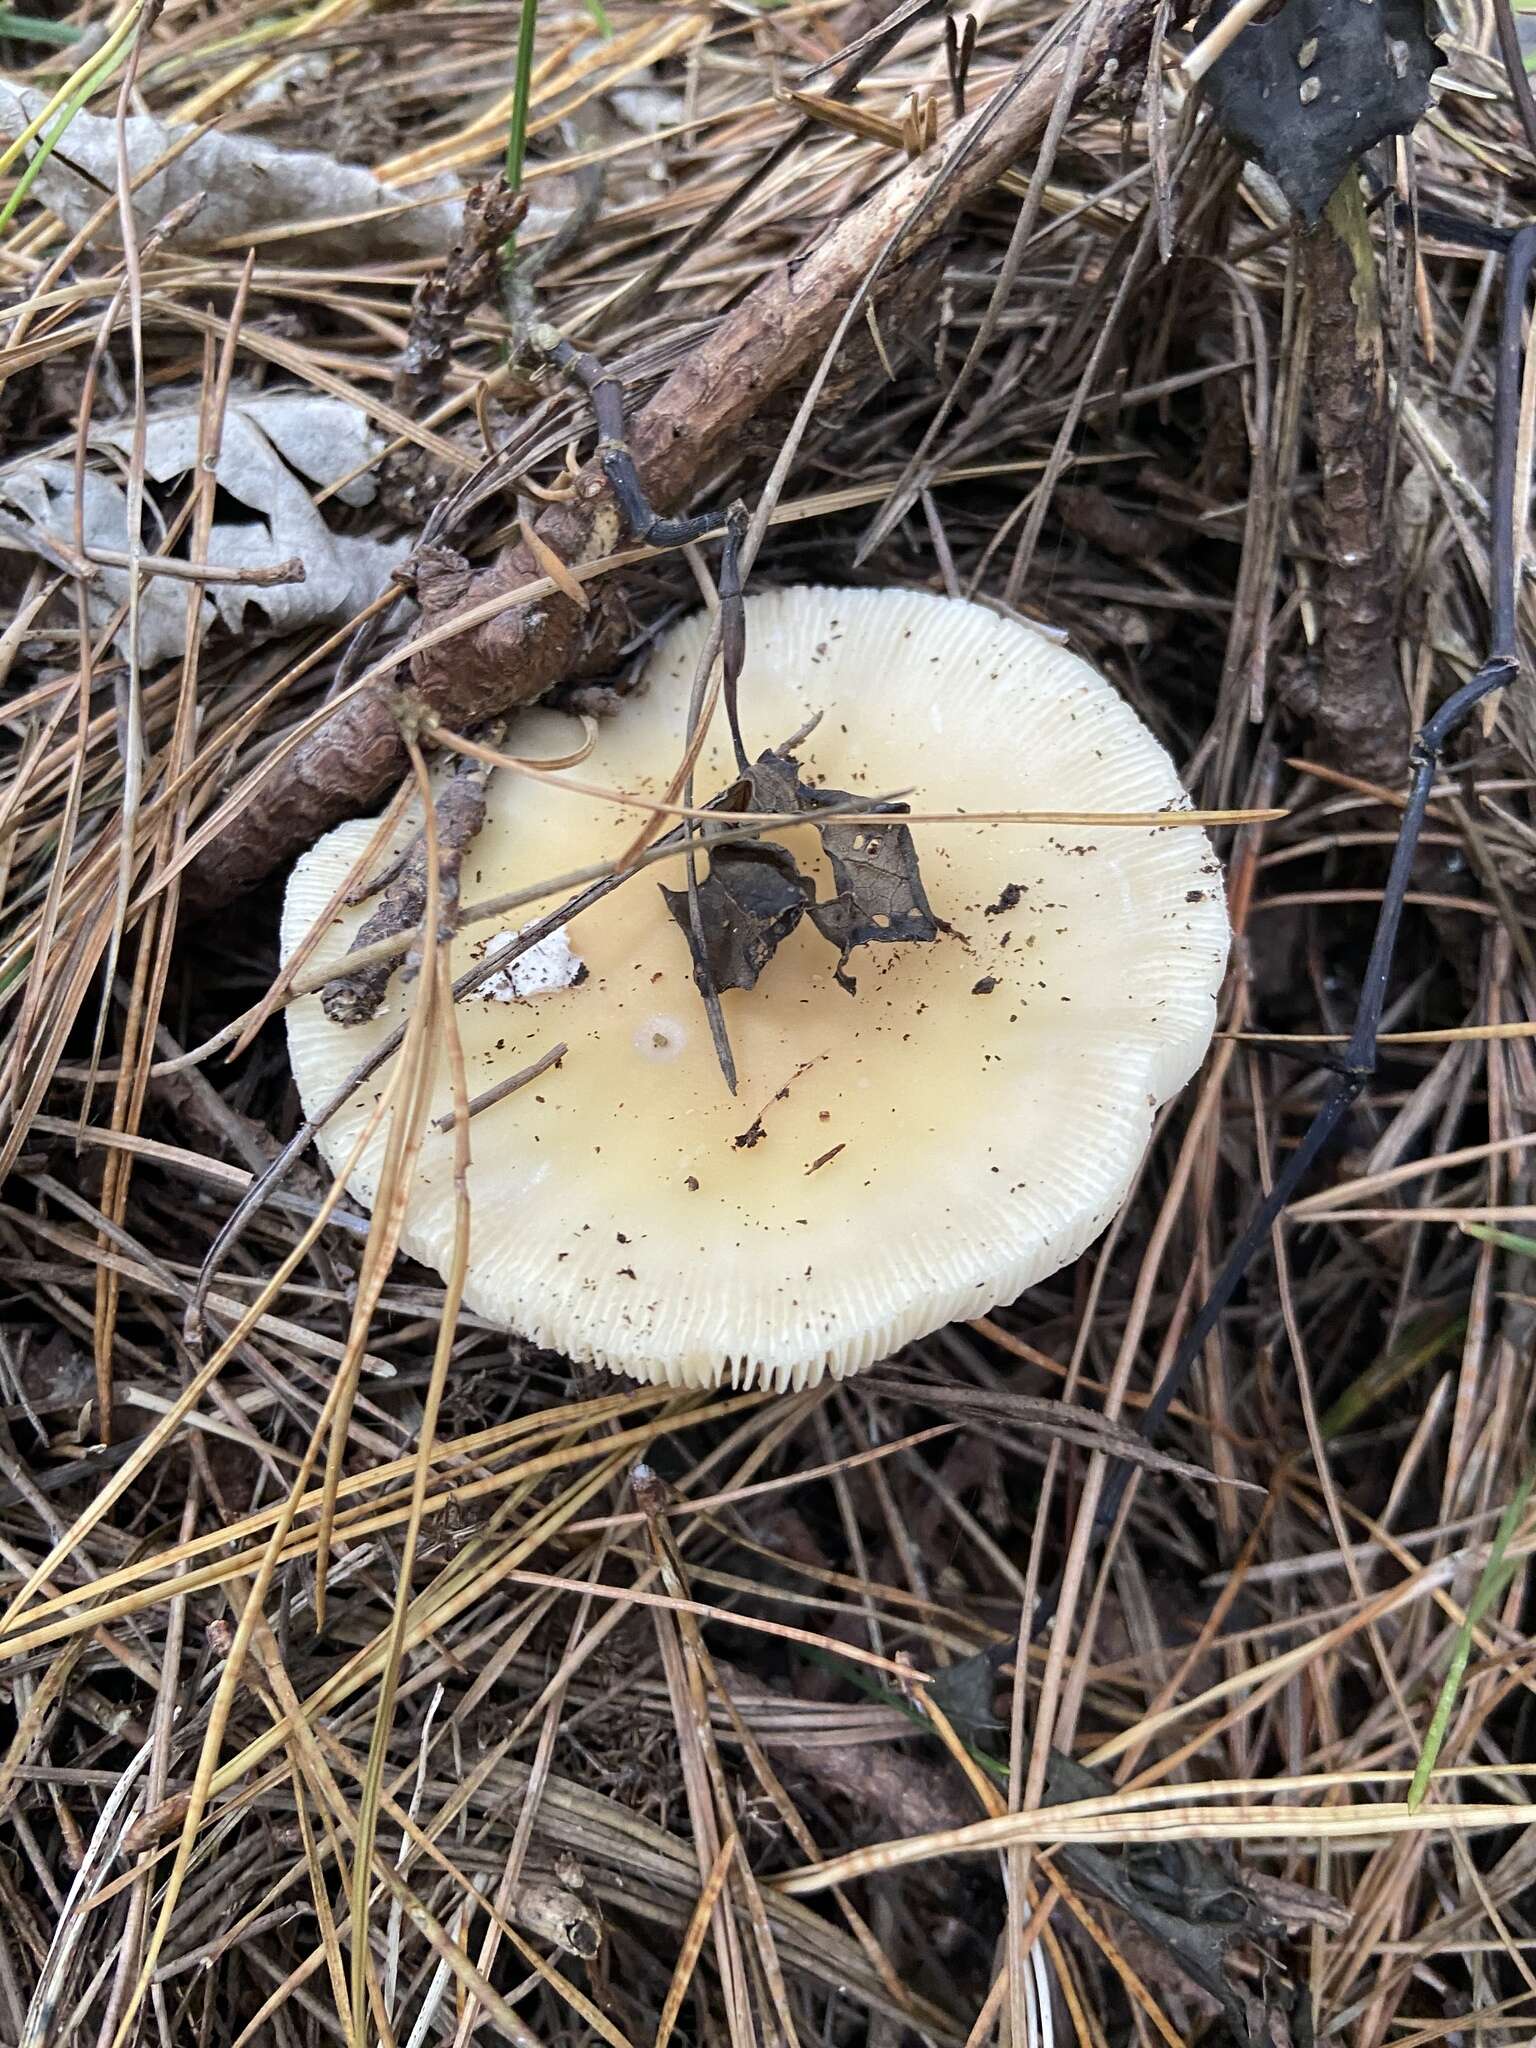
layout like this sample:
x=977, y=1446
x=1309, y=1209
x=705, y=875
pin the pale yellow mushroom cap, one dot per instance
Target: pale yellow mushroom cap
x=961, y=1127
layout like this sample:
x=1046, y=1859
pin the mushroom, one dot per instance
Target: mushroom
x=960, y=1126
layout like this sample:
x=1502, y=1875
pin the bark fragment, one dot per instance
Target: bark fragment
x=352, y=998
x=1359, y=711
x=444, y=302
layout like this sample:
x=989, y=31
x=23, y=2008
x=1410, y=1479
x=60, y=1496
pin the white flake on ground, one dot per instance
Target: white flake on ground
x=545, y=967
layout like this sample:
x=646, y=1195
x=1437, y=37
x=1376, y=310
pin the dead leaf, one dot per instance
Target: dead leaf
x=773, y=788
x=1190, y=1900
x=749, y=903
x=1307, y=93
x=880, y=898
x=964, y=1693
x=246, y=185
x=755, y=895
x=273, y=448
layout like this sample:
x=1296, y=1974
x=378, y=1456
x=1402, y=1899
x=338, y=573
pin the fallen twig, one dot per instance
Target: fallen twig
x=507, y=1086
x=354, y=996
x=1357, y=706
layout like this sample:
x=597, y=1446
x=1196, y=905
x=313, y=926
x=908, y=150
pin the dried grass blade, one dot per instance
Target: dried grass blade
x=439, y=1016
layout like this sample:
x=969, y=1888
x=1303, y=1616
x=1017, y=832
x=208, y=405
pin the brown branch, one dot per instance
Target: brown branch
x=1358, y=709
x=444, y=302
x=761, y=347
x=353, y=997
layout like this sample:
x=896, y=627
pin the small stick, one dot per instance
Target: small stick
x=959, y=48
x=507, y=1087
x=618, y=464
x=644, y=521
x=258, y=576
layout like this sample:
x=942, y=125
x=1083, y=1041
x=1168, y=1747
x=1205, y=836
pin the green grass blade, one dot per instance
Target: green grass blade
x=33, y=28
x=87, y=81
x=1496, y=1575
x=1506, y=1240
x=522, y=88
x=1419, y=1347
x=517, y=125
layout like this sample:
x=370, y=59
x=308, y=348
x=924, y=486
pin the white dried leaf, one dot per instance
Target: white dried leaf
x=286, y=81
x=547, y=966
x=641, y=100
x=270, y=446
x=245, y=186
x=649, y=108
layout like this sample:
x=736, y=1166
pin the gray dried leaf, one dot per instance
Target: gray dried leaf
x=274, y=447
x=246, y=186
x=880, y=899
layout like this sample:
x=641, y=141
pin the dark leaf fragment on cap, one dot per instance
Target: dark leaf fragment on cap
x=1308, y=92
x=749, y=903
x=880, y=897
x=754, y=894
